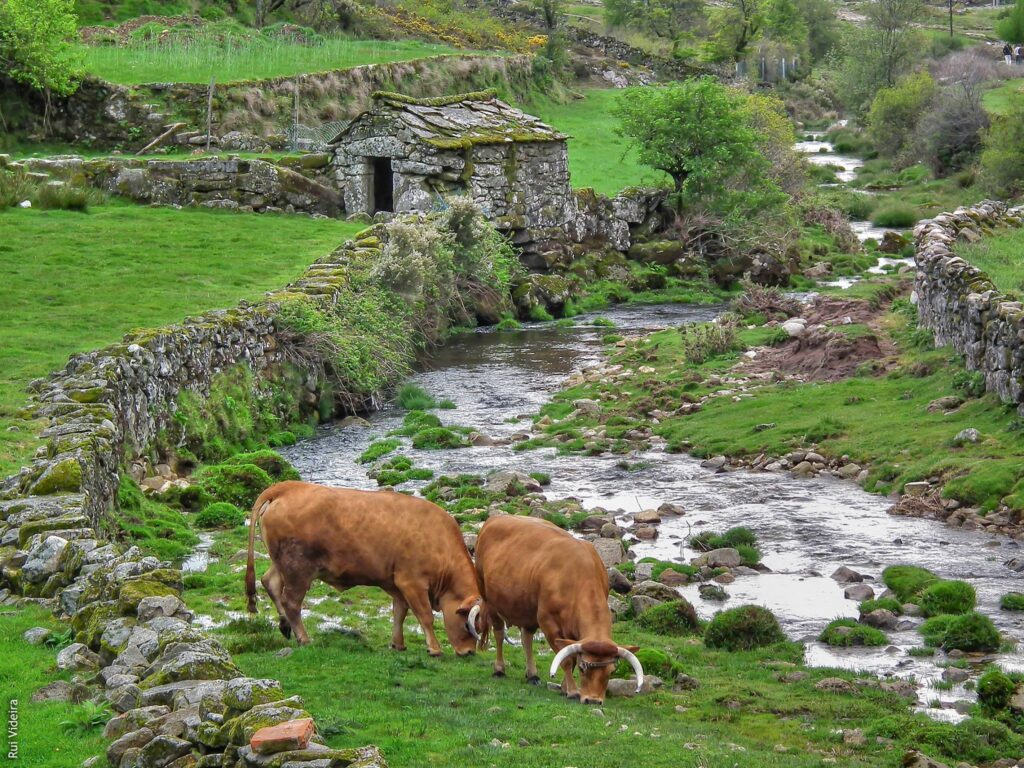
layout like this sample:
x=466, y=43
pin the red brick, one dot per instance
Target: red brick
x=294, y=734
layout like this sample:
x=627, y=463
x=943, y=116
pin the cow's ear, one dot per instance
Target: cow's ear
x=632, y=648
x=467, y=605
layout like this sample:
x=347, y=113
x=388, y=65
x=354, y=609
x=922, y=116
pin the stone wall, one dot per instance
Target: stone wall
x=255, y=185
x=962, y=306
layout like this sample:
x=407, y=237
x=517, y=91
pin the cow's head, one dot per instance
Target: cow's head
x=462, y=622
x=596, y=660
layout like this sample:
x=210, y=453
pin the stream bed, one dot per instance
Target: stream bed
x=806, y=528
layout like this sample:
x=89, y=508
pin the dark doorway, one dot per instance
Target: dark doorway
x=383, y=185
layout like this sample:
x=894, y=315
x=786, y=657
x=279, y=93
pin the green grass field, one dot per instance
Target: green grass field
x=74, y=282
x=998, y=100
x=198, y=61
x=598, y=156
x=450, y=711
x=1001, y=255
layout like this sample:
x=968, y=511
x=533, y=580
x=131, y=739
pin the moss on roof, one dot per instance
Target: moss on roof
x=437, y=101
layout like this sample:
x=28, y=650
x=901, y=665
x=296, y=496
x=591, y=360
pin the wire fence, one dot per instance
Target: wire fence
x=313, y=138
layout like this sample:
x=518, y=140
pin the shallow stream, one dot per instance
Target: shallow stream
x=806, y=527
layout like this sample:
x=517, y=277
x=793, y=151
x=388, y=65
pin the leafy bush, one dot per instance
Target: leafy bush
x=220, y=514
x=895, y=113
x=676, y=617
x=741, y=539
x=975, y=740
x=413, y=397
x=1012, y=601
x=948, y=597
x=895, y=215
x=271, y=462
x=889, y=604
x=995, y=688
x=414, y=421
x=967, y=632
x=239, y=484
x=908, y=581
x=743, y=628
x=508, y=323
x=702, y=341
x=541, y=477
x=447, y=405
x=654, y=662
x=849, y=632
x=378, y=448
x=438, y=438
x=970, y=383
x=1002, y=156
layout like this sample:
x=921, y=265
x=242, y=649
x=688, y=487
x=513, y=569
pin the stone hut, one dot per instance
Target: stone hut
x=405, y=155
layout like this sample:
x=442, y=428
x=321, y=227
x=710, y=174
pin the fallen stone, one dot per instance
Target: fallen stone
x=77, y=657
x=290, y=735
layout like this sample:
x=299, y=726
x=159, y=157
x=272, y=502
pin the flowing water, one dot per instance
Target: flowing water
x=806, y=527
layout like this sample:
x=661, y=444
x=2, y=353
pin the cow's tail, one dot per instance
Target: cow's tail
x=250, y=566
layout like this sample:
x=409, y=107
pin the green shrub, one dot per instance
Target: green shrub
x=220, y=515
x=414, y=421
x=676, y=617
x=413, y=397
x=908, y=581
x=239, y=484
x=602, y=322
x=975, y=740
x=848, y=632
x=447, y=405
x=741, y=539
x=896, y=112
x=64, y=197
x=1012, y=601
x=282, y=438
x=508, y=323
x=948, y=597
x=749, y=556
x=995, y=688
x=271, y=462
x=541, y=477
x=378, y=448
x=967, y=632
x=540, y=313
x=438, y=438
x=743, y=628
x=895, y=215
x=1002, y=156
x=888, y=603
x=654, y=662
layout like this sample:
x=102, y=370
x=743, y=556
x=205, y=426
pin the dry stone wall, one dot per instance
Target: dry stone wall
x=962, y=306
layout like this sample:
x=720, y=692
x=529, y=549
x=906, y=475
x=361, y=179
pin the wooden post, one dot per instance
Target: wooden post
x=295, y=117
x=209, y=112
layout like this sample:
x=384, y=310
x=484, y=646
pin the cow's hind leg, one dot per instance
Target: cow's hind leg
x=499, y=644
x=531, y=662
x=399, y=609
x=415, y=595
x=272, y=583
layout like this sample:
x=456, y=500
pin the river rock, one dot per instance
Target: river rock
x=669, y=508
x=716, y=463
x=618, y=582
x=915, y=759
x=587, y=407
x=955, y=675
x=845, y=575
x=796, y=327
x=611, y=531
x=724, y=557
x=610, y=551
x=858, y=592
x=646, y=532
x=619, y=607
x=1017, y=700
x=642, y=603
x=712, y=592
x=506, y=482
x=880, y=619
x=647, y=517
x=803, y=469
x=849, y=471
x=656, y=590
x=910, y=609
x=673, y=578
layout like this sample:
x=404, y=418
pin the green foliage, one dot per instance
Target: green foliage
x=743, y=628
x=895, y=114
x=896, y=215
x=698, y=132
x=908, y=581
x=36, y=45
x=887, y=603
x=975, y=740
x=271, y=462
x=741, y=539
x=948, y=597
x=967, y=632
x=220, y=514
x=16, y=186
x=398, y=470
x=438, y=438
x=91, y=716
x=995, y=688
x=1012, y=601
x=849, y=632
x=378, y=448
x=970, y=383
x=1011, y=27
x=541, y=477
x=1002, y=156
x=156, y=528
x=414, y=421
x=447, y=405
x=654, y=662
x=413, y=397
x=703, y=341
x=508, y=323
x=676, y=617
x=238, y=484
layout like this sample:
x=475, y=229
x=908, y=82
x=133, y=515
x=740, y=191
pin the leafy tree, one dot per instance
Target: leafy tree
x=661, y=18
x=699, y=133
x=740, y=23
x=1011, y=28
x=951, y=132
x=1002, y=159
x=767, y=116
x=895, y=114
x=891, y=24
x=822, y=26
x=36, y=44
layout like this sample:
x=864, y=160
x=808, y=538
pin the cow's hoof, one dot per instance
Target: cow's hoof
x=533, y=680
x=397, y=647
x=498, y=673
x=286, y=629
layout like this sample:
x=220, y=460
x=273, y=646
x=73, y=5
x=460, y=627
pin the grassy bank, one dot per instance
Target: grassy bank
x=78, y=281
x=424, y=711
x=197, y=61
x=598, y=156
x=51, y=734
x=851, y=416
x=1000, y=256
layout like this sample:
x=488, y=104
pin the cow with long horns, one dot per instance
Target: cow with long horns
x=536, y=576
x=408, y=547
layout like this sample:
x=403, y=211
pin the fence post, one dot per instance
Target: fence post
x=295, y=118
x=209, y=111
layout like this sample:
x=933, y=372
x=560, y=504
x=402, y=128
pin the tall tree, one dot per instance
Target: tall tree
x=666, y=19
x=36, y=44
x=891, y=23
x=1011, y=28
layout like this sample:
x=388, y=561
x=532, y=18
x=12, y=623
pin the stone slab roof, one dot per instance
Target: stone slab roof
x=459, y=121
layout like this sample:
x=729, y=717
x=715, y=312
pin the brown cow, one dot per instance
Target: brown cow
x=408, y=547
x=535, y=575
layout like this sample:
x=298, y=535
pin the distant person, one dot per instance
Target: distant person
x=1007, y=53
x=1017, y=53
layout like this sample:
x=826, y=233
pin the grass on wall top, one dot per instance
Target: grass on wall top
x=999, y=255
x=198, y=60
x=74, y=282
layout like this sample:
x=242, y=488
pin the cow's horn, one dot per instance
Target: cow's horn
x=569, y=650
x=471, y=621
x=634, y=662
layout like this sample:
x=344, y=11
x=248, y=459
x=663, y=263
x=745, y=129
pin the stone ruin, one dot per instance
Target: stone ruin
x=407, y=155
